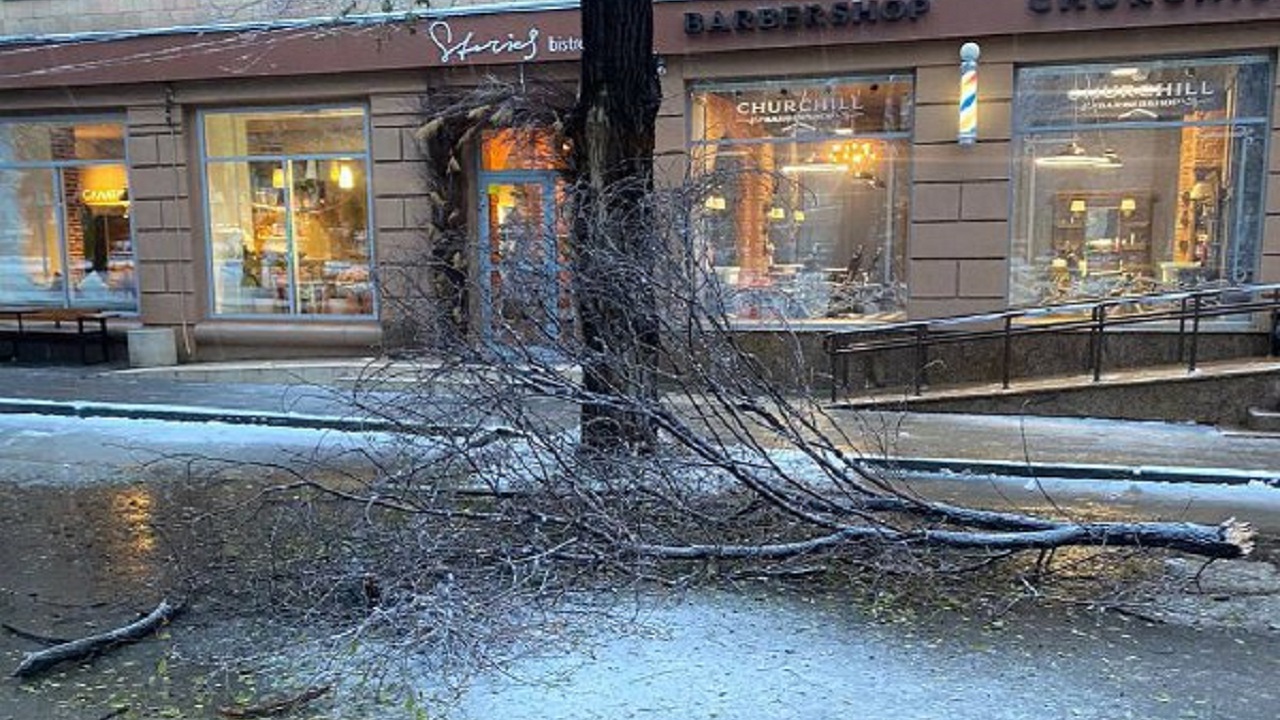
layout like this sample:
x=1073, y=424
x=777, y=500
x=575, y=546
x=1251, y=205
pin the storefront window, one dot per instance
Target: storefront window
x=806, y=205
x=65, y=235
x=288, y=200
x=524, y=236
x=1138, y=177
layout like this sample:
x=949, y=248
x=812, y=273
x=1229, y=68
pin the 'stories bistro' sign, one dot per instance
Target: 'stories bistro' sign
x=807, y=16
x=521, y=46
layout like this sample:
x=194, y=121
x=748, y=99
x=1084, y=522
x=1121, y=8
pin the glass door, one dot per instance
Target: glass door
x=523, y=296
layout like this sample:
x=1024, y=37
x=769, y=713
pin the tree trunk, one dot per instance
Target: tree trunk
x=614, y=244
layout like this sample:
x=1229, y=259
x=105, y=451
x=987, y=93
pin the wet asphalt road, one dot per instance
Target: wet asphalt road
x=77, y=554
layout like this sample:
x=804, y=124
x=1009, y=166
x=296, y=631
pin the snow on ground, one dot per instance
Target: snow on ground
x=36, y=448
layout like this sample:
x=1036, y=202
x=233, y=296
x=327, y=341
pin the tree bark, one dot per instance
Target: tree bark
x=1232, y=539
x=614, y=244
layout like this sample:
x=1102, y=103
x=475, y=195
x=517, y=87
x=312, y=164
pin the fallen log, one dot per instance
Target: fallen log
x=37, y=662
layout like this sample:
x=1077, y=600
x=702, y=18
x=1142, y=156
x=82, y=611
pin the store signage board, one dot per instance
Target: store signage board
x=522, y=45
x=814, y=110
x=787, y=115
x=1046, y=7
x=107, y=196
x=1151, y=100
x=1144, y=92
x=510, y=38
x=807, y=16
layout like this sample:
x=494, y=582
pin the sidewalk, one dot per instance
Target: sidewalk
x=922, y=442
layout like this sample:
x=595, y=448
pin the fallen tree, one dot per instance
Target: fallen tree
x=706, y=451
x=37, y=662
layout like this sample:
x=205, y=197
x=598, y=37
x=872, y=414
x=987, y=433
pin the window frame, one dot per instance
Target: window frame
x=284, y=159
x=1023, y=131
x=905, y=136
x=59, y=195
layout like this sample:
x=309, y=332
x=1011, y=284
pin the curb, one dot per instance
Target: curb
x=84, y=409
x=950, y=467
x=1072, y=471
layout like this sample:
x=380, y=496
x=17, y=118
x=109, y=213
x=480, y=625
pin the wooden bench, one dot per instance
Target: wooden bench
x=83, y=327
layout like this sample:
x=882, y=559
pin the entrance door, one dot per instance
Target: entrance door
x=524, y=302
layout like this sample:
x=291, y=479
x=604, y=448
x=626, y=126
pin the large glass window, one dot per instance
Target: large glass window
x=288, y=200
x=1138, y=177
x=65, y=235
x=806, y=206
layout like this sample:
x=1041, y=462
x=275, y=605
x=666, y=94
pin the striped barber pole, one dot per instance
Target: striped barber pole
x=969, y=93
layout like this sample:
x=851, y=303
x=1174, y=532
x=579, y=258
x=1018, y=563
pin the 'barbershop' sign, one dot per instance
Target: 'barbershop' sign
x=520, y=46
x=807, y=16
x=1068, y=6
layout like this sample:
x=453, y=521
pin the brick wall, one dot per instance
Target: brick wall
x=398, y=173
x=958, y=253
x=160, y=212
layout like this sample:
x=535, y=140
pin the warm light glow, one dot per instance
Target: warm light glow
x=1128, y=205
x=777, y=214
x=1077, y=206
x=715, y=202
x=815, y=168
x=346, y=178
x=798, y=216
x=277, y=178
x=104, y=185
x=132, y=507
x=856, y=155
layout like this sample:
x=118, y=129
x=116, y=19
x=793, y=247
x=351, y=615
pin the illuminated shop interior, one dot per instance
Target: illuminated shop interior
x=64, y=198
x=523, y=238
x=1132, y=178
x=806, y=207
x=288, y=202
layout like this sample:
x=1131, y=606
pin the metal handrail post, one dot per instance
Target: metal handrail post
x=1195, y=331
x=1275, y=323
x=833, y=361
x=1008, y=350
x=921, y=358
x=1101, y=313
x=1182, y=329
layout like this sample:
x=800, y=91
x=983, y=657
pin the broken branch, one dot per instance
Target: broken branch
x=1231, y=539
x=34, y=663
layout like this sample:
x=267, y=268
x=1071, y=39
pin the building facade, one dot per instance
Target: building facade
x=258, y=189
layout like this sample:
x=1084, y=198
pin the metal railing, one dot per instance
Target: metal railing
x=1187, y=308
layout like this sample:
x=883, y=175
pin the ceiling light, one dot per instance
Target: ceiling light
x=1073, y=155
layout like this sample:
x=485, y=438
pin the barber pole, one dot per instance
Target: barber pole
x=969, y=93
